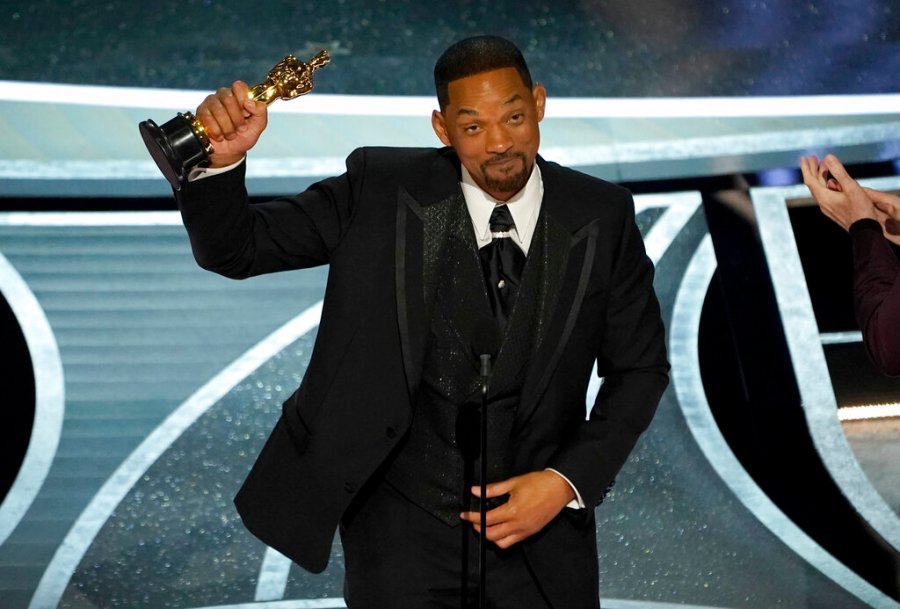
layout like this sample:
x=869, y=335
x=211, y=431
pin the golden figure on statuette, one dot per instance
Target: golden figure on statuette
x=182, y=143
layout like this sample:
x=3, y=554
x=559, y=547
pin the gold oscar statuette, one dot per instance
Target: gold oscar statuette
x=183, y=144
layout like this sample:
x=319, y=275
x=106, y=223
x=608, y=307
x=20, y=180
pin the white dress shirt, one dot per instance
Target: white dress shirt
x=524, y=206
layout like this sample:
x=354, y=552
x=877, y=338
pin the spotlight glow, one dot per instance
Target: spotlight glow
x=869, y=411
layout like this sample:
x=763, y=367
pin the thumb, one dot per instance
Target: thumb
x=888, y=204
x=495, y=489
x=252, y=107
x=883, y=204
x=255, y=108
x=882, y=199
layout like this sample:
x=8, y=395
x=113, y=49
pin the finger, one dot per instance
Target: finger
x=507, y=541
x=813, y=177
x=495, y=489
x=249, y=105
x=215, y=116
x=837, y=170
x=808, y=167
x=506, y=536
x=500, y=531
x=884, y=198
x=817, y=187
x=245, y=106
x=493, y=517
x=206, y=117
x=233, y=100
x=889, y=208
x=499, y=515
x=253, y=108
x=475, y=518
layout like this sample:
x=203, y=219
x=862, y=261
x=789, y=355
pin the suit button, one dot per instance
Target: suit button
x=350, y=487
x=391, y=433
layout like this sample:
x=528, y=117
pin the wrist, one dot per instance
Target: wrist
x=224, y=160
x=863, y=224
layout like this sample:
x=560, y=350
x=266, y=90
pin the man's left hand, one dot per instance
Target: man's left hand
x=534, y=500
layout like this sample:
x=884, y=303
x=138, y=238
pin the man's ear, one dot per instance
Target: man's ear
x=540, y=99
x=440, y=127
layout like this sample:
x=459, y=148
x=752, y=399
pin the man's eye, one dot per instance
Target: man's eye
x=471, y=128
x=515, y=118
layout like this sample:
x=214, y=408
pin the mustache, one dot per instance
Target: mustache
x=502, y=158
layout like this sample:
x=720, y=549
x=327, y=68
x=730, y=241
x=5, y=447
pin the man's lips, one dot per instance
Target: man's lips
x=500, y=162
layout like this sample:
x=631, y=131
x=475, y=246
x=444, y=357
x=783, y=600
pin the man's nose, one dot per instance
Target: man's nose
x=498, y=140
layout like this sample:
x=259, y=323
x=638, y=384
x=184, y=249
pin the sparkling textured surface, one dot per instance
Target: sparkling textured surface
x=176, y=539
x=577, y=47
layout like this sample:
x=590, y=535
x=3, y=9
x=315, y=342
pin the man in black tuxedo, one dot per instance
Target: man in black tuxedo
x=371, y=440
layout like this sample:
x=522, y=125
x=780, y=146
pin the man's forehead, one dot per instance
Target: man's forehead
x=504, y=85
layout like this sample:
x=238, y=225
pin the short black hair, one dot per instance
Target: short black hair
x=473, y=56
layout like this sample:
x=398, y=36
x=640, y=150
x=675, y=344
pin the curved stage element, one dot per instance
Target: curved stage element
x=50, y=398
x=816, y=392
x=692, y=398
x=52, y=585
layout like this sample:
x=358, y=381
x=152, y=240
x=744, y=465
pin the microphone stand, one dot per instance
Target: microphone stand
x=482, y=504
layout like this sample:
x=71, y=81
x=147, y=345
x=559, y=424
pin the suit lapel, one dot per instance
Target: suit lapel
x=423, y=226
x=569, y=253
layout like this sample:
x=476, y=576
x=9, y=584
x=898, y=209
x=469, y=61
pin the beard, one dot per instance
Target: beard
x=511, y=183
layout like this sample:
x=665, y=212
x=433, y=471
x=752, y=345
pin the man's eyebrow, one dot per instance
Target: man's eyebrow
x=472, y=112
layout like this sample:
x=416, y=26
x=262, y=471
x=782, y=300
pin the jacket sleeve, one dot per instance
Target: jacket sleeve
x=876, y=294
x=236, y=238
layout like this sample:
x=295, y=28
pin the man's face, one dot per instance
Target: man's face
x=491, y=121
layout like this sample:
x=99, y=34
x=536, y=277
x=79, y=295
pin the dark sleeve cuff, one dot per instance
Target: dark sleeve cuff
x=866, y=224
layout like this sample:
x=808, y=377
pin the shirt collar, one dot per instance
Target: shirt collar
x=524, y=207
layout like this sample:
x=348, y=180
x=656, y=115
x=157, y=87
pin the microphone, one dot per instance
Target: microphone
x=485, y=344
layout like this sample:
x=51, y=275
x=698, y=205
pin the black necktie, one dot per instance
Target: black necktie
x=502, y=262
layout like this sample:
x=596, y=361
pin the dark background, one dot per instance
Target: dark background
x=575, y=47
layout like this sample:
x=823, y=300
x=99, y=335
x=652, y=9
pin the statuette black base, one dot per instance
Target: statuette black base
x=174, y=147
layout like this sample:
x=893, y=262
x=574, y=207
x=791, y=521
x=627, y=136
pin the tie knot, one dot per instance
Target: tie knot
x=501, y=220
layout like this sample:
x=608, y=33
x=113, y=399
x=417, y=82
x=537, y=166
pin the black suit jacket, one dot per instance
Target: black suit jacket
x=375, y=227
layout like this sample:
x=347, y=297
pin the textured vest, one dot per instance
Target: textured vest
x=429, y=467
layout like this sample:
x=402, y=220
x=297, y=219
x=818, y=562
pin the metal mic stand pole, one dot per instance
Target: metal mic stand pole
x=482, y=504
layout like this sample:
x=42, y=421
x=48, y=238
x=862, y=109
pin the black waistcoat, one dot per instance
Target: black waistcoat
x=429, y=467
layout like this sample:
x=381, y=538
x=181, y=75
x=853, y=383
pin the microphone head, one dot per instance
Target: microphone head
x=487, y=338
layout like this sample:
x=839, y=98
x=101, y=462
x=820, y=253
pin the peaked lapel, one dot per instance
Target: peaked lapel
x=570, y=242
x=426, y=213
